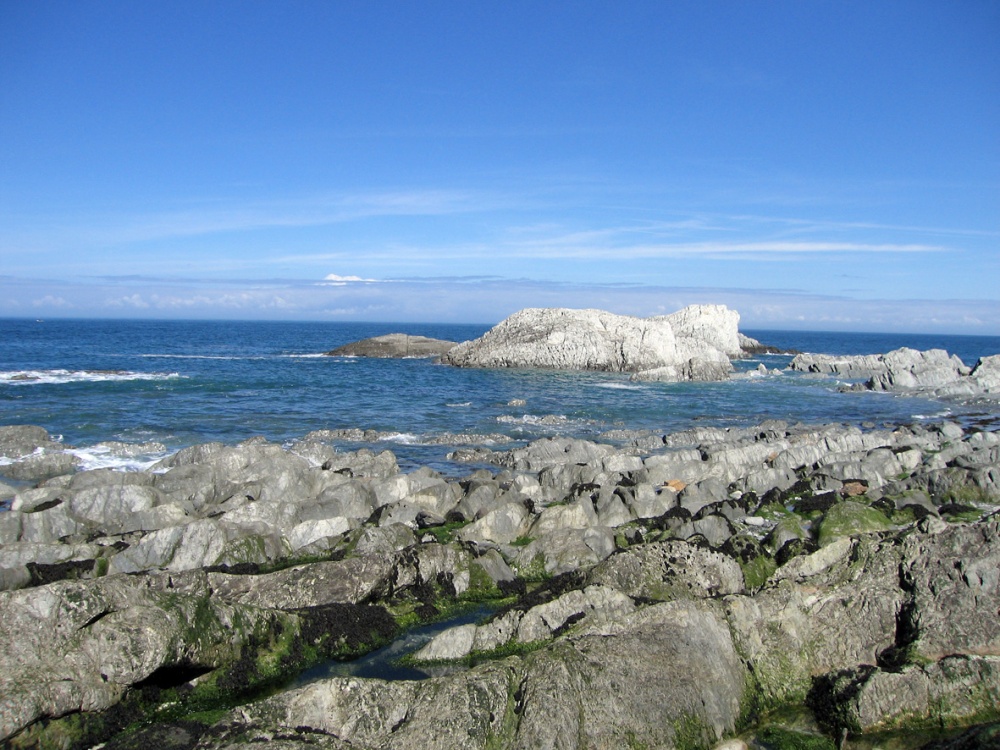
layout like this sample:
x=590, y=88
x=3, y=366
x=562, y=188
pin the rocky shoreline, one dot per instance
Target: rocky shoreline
x=662, y=591
x=933, y=373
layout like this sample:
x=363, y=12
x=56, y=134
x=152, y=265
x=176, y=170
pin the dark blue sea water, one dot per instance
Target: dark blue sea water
x=180, y=383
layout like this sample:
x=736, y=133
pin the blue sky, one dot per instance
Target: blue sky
x=823, y=165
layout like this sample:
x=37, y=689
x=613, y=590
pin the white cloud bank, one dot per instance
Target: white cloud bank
x=332, y=279
x=478, y=300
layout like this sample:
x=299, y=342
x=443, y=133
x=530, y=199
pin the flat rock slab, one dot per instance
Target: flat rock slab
x=394, y=345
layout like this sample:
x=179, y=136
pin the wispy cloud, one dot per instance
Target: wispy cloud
x=577, y=247
x=825, y=225
x=242, y=216
x=332, y=279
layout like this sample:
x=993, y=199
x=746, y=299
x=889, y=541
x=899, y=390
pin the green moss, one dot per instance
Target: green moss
x=534, y=571
x=633, y=743
x=507, y=650
x=691, y=733
x=408, y=619
x=522, y=541
x=446, y=533
x=776, y=682
x=773, y=511
x=967, y=494
x=481, y=586
x=964, y=516
x=778, y=738
x=504, y=738
x=757, y=571
x=511, y=648
x=250, y=549
x=139, y=708
x=208, y=717
x=849, y=518
x=903, y=516
x=790, y=525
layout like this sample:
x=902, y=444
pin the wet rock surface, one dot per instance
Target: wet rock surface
x=668, y=592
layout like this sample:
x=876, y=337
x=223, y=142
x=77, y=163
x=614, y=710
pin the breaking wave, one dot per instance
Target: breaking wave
x=58, y=377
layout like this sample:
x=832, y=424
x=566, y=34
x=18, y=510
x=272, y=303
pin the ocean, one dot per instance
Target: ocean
x=179, y=383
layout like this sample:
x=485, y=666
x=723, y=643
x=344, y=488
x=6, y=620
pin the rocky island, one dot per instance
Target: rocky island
x=695, y=343
x=394, y=345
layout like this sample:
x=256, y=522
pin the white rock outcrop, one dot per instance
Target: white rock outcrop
x=909, y=367
x=934, y=372
x=695, y=343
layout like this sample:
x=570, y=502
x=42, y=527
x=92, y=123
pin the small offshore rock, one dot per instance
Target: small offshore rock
x=394, y=345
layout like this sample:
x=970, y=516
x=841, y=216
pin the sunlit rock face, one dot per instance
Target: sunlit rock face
x=695, y=343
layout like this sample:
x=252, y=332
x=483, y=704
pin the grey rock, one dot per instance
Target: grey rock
x=907, y=369
x=986, y=374
x=710, y=367
x=954, y=577
x=81, y=644
x=951, y=692
x=194, y=545
x=461, y=711
x=899, y=361
x=664, y=658
x=309, y=532
x=851, y=623
x=549, y=452
x=383, y=541
x=665, y=571
x=502, y=525
x=348, y=581
x=480, y=498
x=21, y=553
x=454, y=643
x=115, y=509
x=17, y=577
x=7, y=491
x=592, y=605
x=42, y=465
x=579, y=514
x=694, y=497
x=365, y=463
x=785, y=530
x=394, y=345
x=17, y=441
x=566, y=550
x=674, y=665
x=31, y=500
x=494, y=566
x=933, y=372
x=403, y=512
x=715, y=528
x=349, y=499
